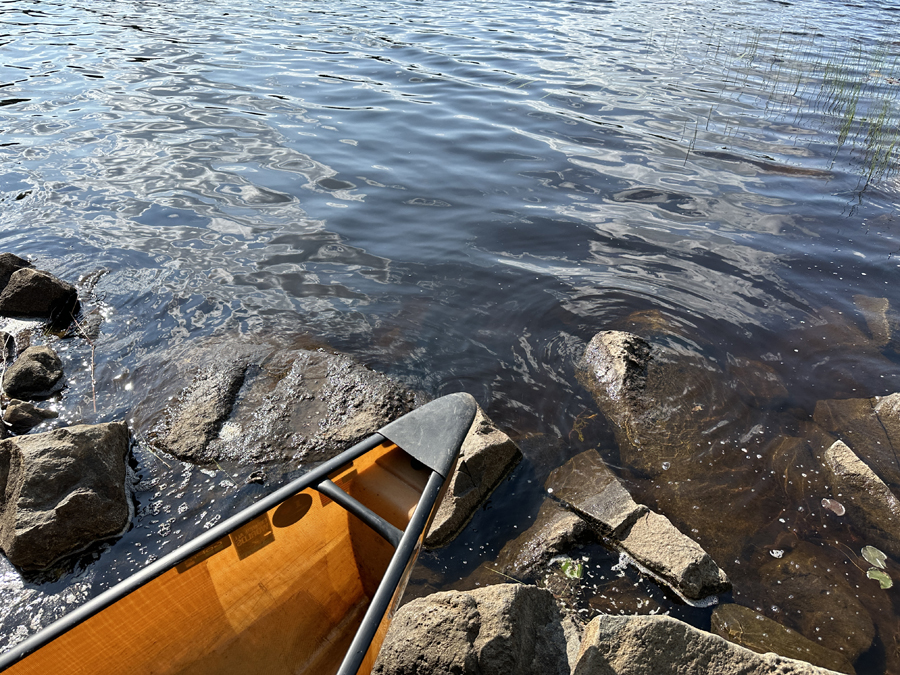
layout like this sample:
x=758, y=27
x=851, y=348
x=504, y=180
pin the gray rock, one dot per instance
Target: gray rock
x=752, y=630
x=586, y=486
x=617, y=363
x=37, y=372
x=680, y=561
x=22, y=416
x=870, y=504
x=306, y=406
x=10, y=263
x=639, y=645
x=486, y=457
x=497, y=630
x=37, y=294
x=64, y=490
x=871, y=426
x=204, y=407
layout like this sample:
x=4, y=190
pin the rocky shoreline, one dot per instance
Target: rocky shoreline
x=675, y=416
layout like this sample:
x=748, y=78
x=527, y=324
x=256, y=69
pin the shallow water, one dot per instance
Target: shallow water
x=460, y=197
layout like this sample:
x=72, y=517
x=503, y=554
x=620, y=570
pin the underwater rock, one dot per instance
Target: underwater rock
x=752, y=630
x=497, y=630
x=204, y=407
x=486, y=457
x=816, y=589
x=637, y=645
x=880, y=319
x=869, y=503
x=21, y=416
x=871, y=426
x=37, y=294
x=36, y=373
x=61, y=491
x=758, y=382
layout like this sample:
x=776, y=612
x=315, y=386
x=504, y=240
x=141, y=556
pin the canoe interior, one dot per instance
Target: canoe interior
x=283, y=594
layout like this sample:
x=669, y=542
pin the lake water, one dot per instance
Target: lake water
x=460, y=196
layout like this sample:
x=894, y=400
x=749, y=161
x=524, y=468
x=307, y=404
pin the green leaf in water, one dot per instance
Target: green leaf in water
x=881, y=577
x=572, y=568
x=874, y=557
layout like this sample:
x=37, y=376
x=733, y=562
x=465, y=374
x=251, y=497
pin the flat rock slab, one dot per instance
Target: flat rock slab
x=497, y=630
x=586, y=486
x=486, y=457
x=295, y=407
x=36, y=373
x=62, y=491
x=654, y=542
x=870, y=504
x=748, y=628
x=638, y=645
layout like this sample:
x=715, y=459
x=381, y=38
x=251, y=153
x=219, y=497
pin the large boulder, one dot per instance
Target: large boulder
x=638, y=645
x=300, y=406
x=37, y=372
x=37, y=294
x=755, y=631
x=486, y=457
x=62, y=490
x=497, y=630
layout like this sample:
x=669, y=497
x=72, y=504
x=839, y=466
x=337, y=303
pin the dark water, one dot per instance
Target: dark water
x=460, y=196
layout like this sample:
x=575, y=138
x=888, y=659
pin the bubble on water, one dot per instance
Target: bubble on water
x=666, y=465
x=834, y=506
x=776, y=553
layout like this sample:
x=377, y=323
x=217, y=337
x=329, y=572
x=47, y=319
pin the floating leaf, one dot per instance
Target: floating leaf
x=873, y=556
x=881, y=577
x=572, y=568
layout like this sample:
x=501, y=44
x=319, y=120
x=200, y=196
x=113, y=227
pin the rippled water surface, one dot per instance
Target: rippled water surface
x=461, y=195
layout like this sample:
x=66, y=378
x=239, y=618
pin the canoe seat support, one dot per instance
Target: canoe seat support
x=328, y=488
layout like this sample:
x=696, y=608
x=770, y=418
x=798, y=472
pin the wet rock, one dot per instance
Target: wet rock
x=10, y=263
x=869, y=503
x=555, y=531
x=498, y=630
x=680, y=561
x=7, y=346
x=752, y=630
x=204, y=407
x=669, y=407
x=586, y=486
x=636, y=645
x=486, y=457
x=37, y=294
x=37, y=372
x=64, y=490
x=880, y=319
x=306, y=406
x=816, y=589
x=870, y=426
x=21, y=416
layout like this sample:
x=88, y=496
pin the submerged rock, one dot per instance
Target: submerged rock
x=295, y=406
x=486, y=457
x=498, y=630
x=638, y=645
x=37, y=372
x=752, y=630
x=869, y=503
x=38, y=294
x=880, y=319
x=61, y=491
